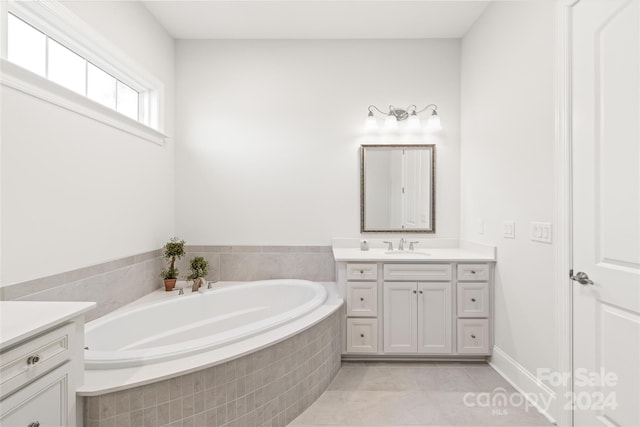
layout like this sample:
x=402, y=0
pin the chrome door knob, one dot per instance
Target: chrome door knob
x=582, y=278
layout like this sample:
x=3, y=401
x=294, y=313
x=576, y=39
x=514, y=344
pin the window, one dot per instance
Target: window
x=45, y=38
x=37, y=52
x=26, y=46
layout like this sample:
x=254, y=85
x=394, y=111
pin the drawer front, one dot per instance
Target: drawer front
x=35, y=357
x=421, y=272
x=362, y=335
x=43, y=401
x=362, y=271
x=473, y=299
x=473, y=336
x=362, y=299
x=471, y=272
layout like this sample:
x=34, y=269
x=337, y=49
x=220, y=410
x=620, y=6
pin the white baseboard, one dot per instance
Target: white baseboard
x=537, y=393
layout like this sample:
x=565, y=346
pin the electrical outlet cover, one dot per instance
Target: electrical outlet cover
x=509, y=229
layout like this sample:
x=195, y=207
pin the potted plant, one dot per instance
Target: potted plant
x=199, y=269
x=174, y=249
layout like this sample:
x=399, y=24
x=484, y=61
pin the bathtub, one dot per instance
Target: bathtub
x=183, y=325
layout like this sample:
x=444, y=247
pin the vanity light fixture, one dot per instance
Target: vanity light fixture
x=395, y=115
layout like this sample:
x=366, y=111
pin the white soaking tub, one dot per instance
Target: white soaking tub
x=189, y=324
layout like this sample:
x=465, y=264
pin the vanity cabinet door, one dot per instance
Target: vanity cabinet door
x=41, y=403
x=400, y=308
x=434, y=318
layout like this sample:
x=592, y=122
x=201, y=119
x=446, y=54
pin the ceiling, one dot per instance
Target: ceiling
x=315, y=19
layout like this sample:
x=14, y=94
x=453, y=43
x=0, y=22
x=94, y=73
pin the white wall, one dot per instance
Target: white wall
x=76, y=192
x=507, y=158
x=268, y=133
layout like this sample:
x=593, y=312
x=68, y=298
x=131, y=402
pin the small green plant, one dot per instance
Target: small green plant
x=199, y=268
x=174, y=249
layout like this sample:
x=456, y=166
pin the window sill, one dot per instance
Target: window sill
x=20, y=79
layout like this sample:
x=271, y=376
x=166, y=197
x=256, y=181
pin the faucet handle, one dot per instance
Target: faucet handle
x=390, y=247
x=411, y=244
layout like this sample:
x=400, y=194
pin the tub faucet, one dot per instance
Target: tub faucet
x=197, y=282
x=401, y=245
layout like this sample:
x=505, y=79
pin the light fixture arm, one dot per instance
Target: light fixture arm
x=373, y=107
x=402, y=113
x=432, y=106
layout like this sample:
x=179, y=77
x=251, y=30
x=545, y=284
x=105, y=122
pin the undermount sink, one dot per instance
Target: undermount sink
x=407, y=253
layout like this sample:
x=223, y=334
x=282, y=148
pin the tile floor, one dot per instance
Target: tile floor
x=419, y=394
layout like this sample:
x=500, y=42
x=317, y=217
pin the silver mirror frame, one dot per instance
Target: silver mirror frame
x=363, y=154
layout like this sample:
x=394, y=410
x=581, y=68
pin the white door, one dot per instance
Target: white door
x=606, y=212
x=400, y=307
x=434, y=318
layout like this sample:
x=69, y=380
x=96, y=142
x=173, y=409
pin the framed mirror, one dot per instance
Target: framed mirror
x=397, y=188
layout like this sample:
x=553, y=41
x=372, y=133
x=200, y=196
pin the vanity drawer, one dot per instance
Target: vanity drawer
x=362, y=299
x=473, y=336
x=471, y=272
x=362, y=271
x=34, y=358
x=362, y=335
x=421, y=272
x=473, y=299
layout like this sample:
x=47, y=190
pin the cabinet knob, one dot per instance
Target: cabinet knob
x=420, y=291
x=361, y=299
x=415, y=292
x=473, y=272
x=473, y=300
x=361, y=271
x=473, y=336
x=32, y=360
x=34, y=424
x=361, y=335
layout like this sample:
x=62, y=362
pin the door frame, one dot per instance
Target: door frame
x=563, y=210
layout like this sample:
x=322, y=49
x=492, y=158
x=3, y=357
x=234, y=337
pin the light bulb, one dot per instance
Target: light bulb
x=390, y=123
x=434, y=121
x=370, y=124
x=413, y=123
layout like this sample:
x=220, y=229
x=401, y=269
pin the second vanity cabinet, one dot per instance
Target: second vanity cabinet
x=400, y=310
x=41, y=362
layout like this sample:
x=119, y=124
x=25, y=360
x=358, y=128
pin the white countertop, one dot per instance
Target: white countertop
x=426, y=251
x=20, y=319
x=428, y=255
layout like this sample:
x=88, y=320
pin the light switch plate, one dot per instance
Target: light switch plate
x=509, y=229
x=541, y=232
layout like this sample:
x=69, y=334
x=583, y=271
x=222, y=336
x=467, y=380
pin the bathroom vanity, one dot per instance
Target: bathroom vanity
x=41, y=362
x=429, y=303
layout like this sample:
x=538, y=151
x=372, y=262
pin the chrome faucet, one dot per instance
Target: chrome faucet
x=401, y=244
x=197, y=282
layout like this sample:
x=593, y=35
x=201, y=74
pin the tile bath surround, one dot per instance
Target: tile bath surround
x=270, y=387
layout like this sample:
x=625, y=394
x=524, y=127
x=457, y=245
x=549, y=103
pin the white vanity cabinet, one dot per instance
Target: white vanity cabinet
x=399, y=306
x=41, y=362
x=417, y=314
